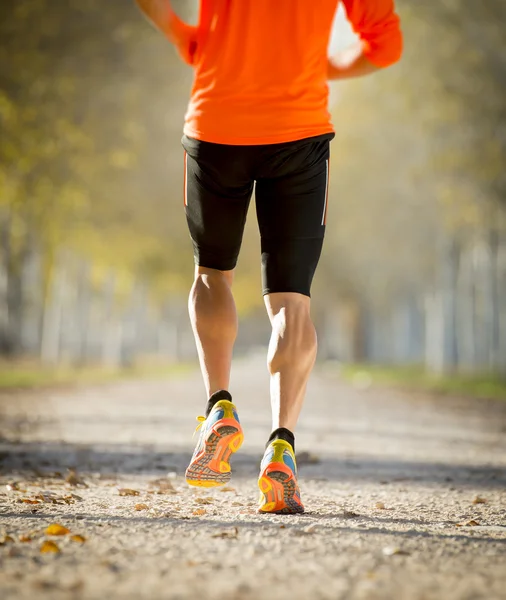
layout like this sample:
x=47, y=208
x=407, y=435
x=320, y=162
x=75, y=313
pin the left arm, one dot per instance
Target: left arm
x=182, y=35
x=380, y=45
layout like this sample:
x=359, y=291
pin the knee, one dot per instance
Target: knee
x=294, y=338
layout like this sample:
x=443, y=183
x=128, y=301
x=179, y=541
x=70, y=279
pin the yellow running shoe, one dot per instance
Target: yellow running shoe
x=279, y=491
x=220, y=436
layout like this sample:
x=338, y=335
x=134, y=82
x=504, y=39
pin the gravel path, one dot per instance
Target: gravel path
x=405, y=496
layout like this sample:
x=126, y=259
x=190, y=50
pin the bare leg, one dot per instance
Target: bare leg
x=214, y=321
x=291, y=355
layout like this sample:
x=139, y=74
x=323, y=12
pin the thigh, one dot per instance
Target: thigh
x=292, y=209
x=218, y=190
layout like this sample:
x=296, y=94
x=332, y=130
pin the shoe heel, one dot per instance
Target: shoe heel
x=236, y=441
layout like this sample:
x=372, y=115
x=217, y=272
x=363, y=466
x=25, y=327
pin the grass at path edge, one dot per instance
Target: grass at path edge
x=26, y=376
x=482, y=386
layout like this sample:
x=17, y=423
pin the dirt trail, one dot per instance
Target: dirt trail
x=389, y=479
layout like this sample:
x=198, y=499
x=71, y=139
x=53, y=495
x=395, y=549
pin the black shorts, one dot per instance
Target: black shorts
x=291, y=202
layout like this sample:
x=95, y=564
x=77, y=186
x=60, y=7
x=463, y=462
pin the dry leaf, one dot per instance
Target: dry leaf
x=380, y=505
x=163, y=484
x=227, y=534
x=199, y=512
x=73, y=478
x=47, y=497
x=25, y=538
x=7, y=539
x=227, y=488
x=12, y=487
x=76, y=497
x=394, y=550
x=472, y=523
x=206, y=500
x=48, y=546
x=78, y=538
x=479, y=500
x=56, y=529
x=306, y=458
x=349, y=514
x=28, y=501
x=128, y=492
x=141, y=507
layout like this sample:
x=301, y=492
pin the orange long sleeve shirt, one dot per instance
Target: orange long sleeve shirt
x=261, y=65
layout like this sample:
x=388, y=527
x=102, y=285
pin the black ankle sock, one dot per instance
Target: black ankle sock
x=216, y=397
x=282, y=433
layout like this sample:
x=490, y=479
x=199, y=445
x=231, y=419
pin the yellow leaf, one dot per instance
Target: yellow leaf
x=78, y=538
x=56, y=529
x=141, y=507
x=479, y=500
x=207, y=500
x=199, y=512
x=7, y=539
x=128, y=492
x=48, y=547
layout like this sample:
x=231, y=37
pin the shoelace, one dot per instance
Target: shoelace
x=201, y=422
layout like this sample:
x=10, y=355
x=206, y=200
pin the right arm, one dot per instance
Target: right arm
x=182, y=35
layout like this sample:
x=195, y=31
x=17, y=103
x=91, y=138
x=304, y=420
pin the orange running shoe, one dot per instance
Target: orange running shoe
x=220, y=436
x=279, y=491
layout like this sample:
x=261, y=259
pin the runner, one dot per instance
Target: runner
x=258, y=116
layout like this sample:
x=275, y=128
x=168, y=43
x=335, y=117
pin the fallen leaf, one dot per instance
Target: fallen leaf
x=163, y=486
x=28, y=501
x=13, y=487
x=227, y=534
x=48, y=546
x=227, y=488
x=73, y=478
x=7, y=539
x=380, y=505
x=128, y=492
x=76, y=586
x=141, y=507
x=76, y=497
x=237, y=504
x=78, y=538
x=306, y=458
x=472, y=523
x=25, y=538
x=206, y=500
x=282, y=526
x=56, y=529
x=199, y=512
x=479, y=500
x=349, y=514
x=48, y=497
x=394, y=550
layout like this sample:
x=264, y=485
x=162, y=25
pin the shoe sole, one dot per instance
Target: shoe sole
x=212, y=467
x=278, y=486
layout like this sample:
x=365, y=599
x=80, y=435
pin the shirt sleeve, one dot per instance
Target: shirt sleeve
x=378, y=26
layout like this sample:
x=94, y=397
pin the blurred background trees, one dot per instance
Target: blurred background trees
x=95, y=259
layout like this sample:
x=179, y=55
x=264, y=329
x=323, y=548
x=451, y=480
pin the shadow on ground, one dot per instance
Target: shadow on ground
x=114, y=459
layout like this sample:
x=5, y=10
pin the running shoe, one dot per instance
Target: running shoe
x=220, y=436
x=279, y=491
